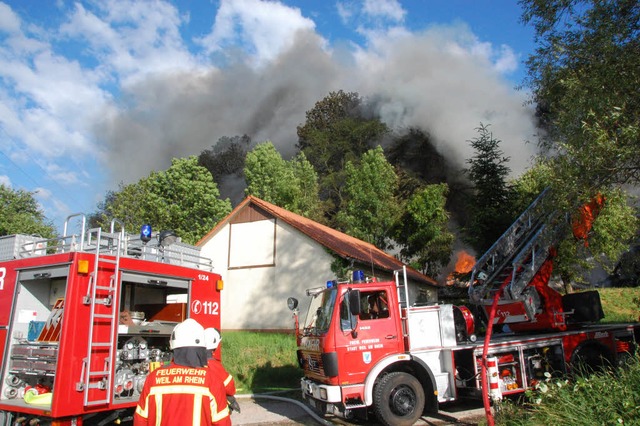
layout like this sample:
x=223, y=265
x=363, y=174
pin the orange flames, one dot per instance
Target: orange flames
x=464, y=263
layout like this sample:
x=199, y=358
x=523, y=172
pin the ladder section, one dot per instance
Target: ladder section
x=402, y=290
x=516, y=255
x=97, y=371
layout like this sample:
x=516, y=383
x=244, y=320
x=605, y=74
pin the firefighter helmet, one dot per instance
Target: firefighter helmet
x=187, y=334
x=212, y=338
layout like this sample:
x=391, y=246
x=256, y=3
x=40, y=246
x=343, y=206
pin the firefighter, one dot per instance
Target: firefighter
x=212, y=339
x=185, y=392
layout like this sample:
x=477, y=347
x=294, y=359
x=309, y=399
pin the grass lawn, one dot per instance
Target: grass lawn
x=261, y=362
x=618, y=304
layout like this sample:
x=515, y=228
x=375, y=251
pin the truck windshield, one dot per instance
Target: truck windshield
x=320, y=312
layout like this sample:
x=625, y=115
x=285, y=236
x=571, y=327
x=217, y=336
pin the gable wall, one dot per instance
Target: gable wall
x=255, y=297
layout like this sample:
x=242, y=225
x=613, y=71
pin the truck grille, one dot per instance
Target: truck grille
x=312, y=362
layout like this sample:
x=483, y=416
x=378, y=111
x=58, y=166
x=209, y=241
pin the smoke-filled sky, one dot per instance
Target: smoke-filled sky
x=93, y=93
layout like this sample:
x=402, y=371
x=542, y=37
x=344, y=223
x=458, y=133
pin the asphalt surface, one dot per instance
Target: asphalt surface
x=271, y=410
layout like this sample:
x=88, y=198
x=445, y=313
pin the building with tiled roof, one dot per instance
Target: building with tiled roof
x=266, y=254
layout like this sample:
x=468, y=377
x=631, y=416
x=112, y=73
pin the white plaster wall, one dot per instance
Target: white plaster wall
x=256, y=298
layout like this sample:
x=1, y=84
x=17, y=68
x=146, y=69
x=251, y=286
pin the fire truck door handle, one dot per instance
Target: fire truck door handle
x=391, y=336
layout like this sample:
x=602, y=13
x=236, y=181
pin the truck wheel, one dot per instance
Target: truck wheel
x=398, y=399
x=591, y=357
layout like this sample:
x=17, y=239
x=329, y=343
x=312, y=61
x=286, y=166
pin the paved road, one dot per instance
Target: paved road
x=271, y=410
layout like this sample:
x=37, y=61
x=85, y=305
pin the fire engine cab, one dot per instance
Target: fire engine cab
x=85, y=317
x=365, y=347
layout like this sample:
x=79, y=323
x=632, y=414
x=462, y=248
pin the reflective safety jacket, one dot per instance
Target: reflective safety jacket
x=221, y=372
x=178, y=395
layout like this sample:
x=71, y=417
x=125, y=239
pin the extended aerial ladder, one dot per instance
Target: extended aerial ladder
x=519, y=266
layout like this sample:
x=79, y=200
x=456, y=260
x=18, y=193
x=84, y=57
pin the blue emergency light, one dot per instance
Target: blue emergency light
x=331, y=283
x=358, y=276
x=145, y=233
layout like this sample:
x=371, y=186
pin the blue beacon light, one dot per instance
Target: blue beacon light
x=358, y=276
x=145, y=233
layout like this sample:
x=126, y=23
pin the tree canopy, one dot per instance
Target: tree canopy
x=490, y=203
x=422, y=231
x=21, y=214
x=292, y=185
x=370, y=207
x=337, y=130
x=184, y=198
x=584, y=76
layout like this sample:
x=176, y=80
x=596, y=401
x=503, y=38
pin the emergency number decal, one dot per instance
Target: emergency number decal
x=207, y=308
x=3, y=273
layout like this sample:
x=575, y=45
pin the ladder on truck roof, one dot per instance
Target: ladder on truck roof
x=516, y=256
x=98, y=374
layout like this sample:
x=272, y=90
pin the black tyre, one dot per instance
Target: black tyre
x=591, y=357
x=398, y=399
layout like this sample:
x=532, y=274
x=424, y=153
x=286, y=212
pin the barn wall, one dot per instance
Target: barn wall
x=255, y=295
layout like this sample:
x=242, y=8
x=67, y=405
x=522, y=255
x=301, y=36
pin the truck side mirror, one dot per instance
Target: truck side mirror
x=292, y=303
x=354, y=301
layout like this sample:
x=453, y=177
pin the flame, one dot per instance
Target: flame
x=464, y=263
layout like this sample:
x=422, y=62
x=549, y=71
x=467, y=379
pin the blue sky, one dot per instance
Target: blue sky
x=93, y=93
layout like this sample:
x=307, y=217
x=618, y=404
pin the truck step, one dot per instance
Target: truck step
x=354, y=406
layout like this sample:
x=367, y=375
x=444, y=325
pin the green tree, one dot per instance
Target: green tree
x=370, y=207
x=308, y=202
x=337, y=130
x=612, y=231
x=21, y=214
x=189, y=199
x=611, y=235
x=129, y=203
x=291, y=185
x=333, y=108
x=184, y=198
x=490, y=211
x=418, y=162
x=422, y=231
x=584, y=77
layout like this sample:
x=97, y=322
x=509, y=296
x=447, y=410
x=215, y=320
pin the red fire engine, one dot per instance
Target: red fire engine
x=364, y=346
x=85, y=317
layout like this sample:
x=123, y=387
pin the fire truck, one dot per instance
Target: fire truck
x=86, y=316
x=367, y=349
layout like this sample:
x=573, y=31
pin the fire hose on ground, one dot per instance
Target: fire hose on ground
x=308, y=410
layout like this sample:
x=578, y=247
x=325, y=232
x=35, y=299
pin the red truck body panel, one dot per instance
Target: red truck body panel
x=73, y=345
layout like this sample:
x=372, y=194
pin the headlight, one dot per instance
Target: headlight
x=323, y=393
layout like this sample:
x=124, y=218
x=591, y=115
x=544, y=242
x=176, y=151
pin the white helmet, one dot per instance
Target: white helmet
x=212, y=338
x=187, y=334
